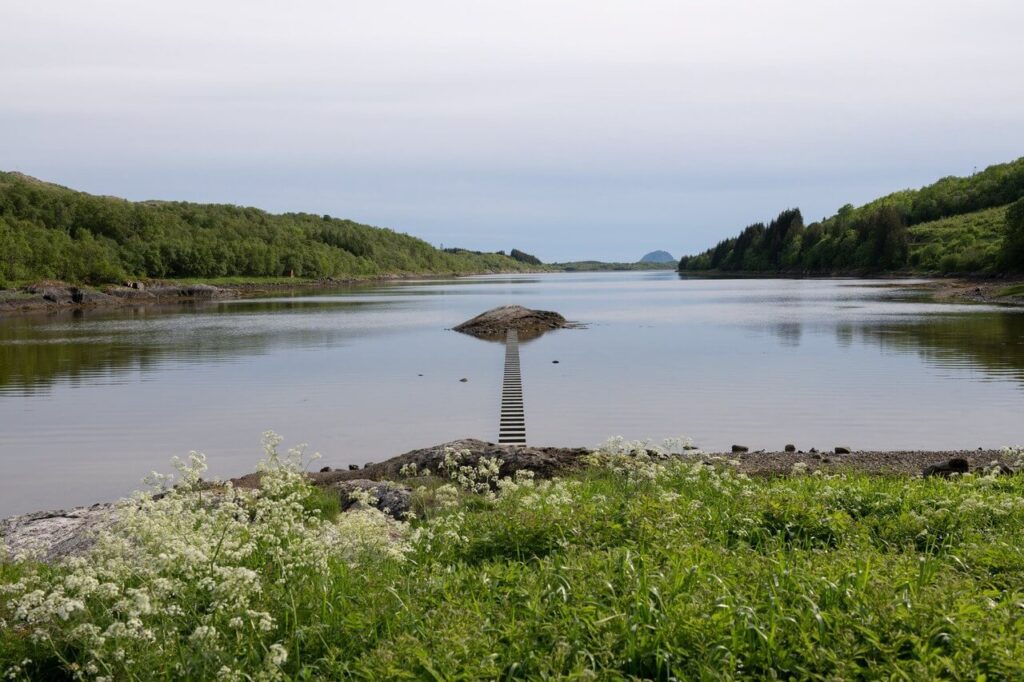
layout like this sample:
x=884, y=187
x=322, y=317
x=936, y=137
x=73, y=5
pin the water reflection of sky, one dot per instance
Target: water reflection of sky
x=89, y=403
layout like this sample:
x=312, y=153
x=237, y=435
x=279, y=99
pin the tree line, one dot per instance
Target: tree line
x=878, y=236
x=47, y=231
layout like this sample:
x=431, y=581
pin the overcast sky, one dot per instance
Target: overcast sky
x=570, y=129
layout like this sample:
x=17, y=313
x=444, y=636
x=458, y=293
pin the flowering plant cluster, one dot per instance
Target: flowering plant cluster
x=192, y=576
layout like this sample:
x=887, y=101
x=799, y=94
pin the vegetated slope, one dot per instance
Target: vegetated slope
x=958, y=224
x=971, y=242
x=48, y=231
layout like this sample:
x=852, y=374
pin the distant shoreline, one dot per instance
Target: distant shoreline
x=53, y=296
x=992, y=290
x=56, y=296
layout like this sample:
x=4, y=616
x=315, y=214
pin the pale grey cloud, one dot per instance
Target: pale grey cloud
x=572, y=129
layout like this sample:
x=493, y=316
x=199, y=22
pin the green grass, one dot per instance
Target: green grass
x=1013, y=290
x=324, y=503
x=653, y=572
x=965, y=243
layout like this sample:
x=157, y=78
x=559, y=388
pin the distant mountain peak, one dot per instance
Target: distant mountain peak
x=658, y=257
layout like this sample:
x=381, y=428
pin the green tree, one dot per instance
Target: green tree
x=1013, y=242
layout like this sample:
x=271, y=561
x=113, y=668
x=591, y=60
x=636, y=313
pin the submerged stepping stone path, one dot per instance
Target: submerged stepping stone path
x=512, y=427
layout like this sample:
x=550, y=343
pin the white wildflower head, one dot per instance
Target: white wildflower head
x=211, y=562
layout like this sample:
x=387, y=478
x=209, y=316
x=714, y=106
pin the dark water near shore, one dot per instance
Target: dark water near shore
x=90, y=402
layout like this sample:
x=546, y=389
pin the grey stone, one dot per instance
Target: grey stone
x=55, y=535
x=740, y=448
x=790, y=447
x=392, y=498
x=956, y=465
x=841, y=450
x=529, y=324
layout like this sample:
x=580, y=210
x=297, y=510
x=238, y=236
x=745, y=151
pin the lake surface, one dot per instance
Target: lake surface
x=90, y=402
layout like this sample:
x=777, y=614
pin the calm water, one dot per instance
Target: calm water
x=91, y=402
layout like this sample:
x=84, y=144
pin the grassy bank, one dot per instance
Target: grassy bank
x=638, y=567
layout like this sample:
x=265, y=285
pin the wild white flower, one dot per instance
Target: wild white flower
x=201, y=560
x=277, y=655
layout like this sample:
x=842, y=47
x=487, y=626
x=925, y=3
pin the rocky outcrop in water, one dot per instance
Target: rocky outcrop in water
x=529, y=323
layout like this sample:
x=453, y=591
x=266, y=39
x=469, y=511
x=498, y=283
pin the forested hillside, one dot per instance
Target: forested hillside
x=969, y=224
x=48, y=231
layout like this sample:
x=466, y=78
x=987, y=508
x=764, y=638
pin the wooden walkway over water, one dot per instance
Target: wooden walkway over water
x=512, y=428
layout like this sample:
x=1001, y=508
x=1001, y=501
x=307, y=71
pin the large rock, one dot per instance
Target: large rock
x=544, y=462
x=956, y=465
x=54, y=535
x=530, y=324
x=391, y=498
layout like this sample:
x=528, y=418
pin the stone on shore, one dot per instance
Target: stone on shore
x=790, y=447
x=740, y=448
x=53, y=535
x=545, y=462
x=391, y=498
x=840, y=450
x=956, y=465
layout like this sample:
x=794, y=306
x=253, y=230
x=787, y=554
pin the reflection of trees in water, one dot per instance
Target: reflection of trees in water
x=992, y=342
x=35, y=352
x=788, y=333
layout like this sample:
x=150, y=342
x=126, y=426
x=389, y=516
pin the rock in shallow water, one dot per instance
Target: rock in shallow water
x=530, y=324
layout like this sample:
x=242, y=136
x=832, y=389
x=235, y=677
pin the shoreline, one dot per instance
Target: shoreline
x=995, y=290
x=68, y=532
x=56, y=296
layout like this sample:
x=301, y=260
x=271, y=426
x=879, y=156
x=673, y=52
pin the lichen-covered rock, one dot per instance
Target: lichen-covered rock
x=391, y=498
x=54, y=535
x=529, y=323
x=545, y=462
